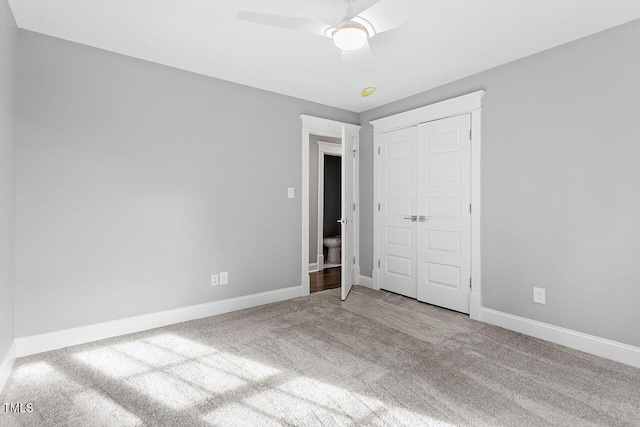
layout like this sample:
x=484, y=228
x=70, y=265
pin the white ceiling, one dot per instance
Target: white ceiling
x=442, y=41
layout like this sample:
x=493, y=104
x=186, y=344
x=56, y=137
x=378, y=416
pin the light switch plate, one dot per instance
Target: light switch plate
x=224, y=278
x=290, y=192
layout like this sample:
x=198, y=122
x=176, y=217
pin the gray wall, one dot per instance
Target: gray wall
x=137, y=181
x=8, y=65
x=560, y=183
x=313, y=193
x=332, y=196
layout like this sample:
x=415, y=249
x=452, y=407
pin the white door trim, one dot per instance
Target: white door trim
x=330, y=149
x=470, y=103
x=332, y=129
x=440, y=110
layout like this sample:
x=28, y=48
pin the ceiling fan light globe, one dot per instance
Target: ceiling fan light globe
x=350, y=36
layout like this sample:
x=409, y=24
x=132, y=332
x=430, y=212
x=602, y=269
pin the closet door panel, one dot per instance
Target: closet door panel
x=443, y=200
x=397, y=243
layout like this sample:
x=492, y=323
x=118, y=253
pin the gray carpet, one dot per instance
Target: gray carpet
x=377, y=359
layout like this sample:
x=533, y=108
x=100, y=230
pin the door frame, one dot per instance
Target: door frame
x=324, y=149
x=465, y=104
x=333, y=129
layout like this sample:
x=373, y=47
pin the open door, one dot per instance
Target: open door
x=348, y=200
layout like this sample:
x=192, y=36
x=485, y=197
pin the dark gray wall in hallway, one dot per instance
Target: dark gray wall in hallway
x=332, y=195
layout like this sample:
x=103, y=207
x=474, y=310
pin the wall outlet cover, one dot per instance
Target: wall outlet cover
x=214, y=280
x=539, y=295
x=291, y=192
x=224, y=278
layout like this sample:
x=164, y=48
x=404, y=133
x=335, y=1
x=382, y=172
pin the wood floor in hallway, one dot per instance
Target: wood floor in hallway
x=329, y=278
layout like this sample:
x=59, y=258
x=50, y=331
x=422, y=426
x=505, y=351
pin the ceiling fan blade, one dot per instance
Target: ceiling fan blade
x=299, y=24
x=361, y=59
x=359, y=7
x=386, y=15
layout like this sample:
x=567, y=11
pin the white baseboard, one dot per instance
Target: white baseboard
x=6, y=365
x=313, y=267
x=364, y=281
x=475, y=306
x=602, y=347
x=33, y=344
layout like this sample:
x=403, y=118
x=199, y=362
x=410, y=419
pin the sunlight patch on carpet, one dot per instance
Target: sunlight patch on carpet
x=307, y=401
x=111, y=362
x=91, y=408
x=208, y=378
x=167, y=389
x=148, y=353
x=240, y=366
x=180, y=345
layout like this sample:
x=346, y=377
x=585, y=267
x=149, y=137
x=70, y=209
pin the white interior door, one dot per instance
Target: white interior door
x=397, y=226
x=444, y=204
x=347, y=230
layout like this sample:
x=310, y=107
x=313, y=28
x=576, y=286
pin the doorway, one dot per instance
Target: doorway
x=348, y=136
x=326, y=191
x=325, y=208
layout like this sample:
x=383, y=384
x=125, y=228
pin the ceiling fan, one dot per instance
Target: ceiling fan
x=353, y=33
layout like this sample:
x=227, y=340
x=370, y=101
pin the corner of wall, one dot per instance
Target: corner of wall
x=6, y=365
x=8, y=123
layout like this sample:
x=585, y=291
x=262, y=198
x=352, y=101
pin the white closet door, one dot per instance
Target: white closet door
x=347, y=228
x=397, y=231
x=444, y=197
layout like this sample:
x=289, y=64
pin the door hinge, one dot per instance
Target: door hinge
x=354, y=206
x=469, y=207
x=470, y=283
x=354, y=260
x=469, y=134
x=378, y=263
x=378, y=150
x=354, y=154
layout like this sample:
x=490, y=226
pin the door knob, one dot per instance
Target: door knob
x=342, y=221
x=413, y=218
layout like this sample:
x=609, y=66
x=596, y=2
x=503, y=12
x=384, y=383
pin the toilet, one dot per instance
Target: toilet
x=333, y=244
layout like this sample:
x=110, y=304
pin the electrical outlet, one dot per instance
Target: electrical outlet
x=224, y=278
x=538, y=295
x=291, y=192
x=214, y=280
